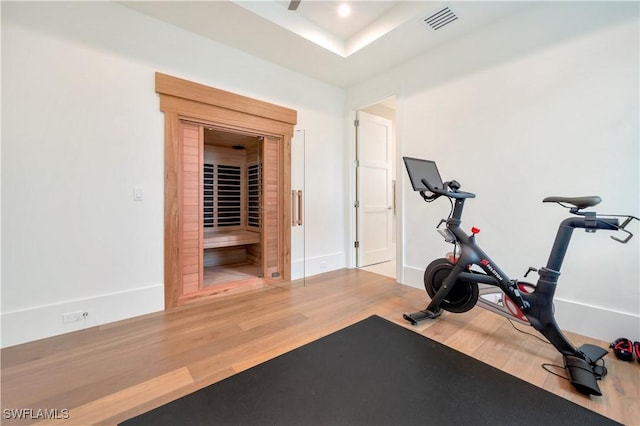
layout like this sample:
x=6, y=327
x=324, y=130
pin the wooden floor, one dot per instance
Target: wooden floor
x=214, y=275
x=107, y=374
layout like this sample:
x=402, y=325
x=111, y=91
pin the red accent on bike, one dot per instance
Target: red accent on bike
x=526, y=288
x=475, y=230
x=515, y=311
x=484, y=262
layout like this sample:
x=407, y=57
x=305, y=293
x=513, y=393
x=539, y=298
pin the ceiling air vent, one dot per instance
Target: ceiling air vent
x=441, y=18
x=293, y=5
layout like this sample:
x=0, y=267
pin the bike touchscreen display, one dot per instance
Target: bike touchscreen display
x=419, y=169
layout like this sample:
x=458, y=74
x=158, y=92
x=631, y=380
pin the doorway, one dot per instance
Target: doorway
x=375, y=188
x=258, y=130
x=231, y=208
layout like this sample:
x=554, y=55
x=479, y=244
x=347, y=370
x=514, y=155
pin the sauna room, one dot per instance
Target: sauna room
x=225, y=225
x=231, y=193
x=227, y=192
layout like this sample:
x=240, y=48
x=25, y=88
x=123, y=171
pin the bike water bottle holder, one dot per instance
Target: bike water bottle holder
x=447, y=235
x=591, y=224
x=622, y=228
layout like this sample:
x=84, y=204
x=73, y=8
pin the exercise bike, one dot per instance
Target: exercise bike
x=454, y=286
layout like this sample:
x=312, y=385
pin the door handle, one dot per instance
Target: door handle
x=300, y=207
x=296, y=207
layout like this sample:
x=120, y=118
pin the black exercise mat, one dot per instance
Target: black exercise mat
x=371, y=373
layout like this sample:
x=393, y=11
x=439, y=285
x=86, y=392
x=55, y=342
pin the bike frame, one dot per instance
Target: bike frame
x=537, y=306
x=521, y=301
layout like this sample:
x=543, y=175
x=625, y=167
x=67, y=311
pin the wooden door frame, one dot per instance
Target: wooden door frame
x=186, y=100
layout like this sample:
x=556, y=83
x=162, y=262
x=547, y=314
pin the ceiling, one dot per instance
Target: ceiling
x=228, y=139
x=315, y=41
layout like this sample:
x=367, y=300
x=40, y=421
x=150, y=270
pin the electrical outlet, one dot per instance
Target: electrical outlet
x=74, y=316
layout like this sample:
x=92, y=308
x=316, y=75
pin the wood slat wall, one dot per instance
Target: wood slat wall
x=254, y=252
x=253, y=196
x=191, y=148
x=271, y=206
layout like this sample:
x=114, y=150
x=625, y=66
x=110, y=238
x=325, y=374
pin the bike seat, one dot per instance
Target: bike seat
x=578, y=202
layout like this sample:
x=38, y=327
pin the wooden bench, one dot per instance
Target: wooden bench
x=238, y=237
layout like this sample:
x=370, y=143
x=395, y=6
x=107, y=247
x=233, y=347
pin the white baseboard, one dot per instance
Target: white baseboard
x=413, y=277
x=592, y=321
x=317, y=265
x=595, y=321
x=27, y=325
x=45, y=321
x=40, y=322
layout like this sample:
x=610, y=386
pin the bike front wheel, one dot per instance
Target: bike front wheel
x=462, y=296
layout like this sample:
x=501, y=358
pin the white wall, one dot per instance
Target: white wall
x=82, y=128
x=526, y=108
x=556, y=98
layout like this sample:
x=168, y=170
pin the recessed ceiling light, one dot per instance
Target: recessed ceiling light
x=344, y=10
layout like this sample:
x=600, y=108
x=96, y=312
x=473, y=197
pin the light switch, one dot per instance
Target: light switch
x=138, y=193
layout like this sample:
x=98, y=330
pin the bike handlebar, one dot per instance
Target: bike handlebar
x=455, y=193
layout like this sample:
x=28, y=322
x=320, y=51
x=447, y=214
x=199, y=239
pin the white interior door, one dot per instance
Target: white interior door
x=374, y=202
